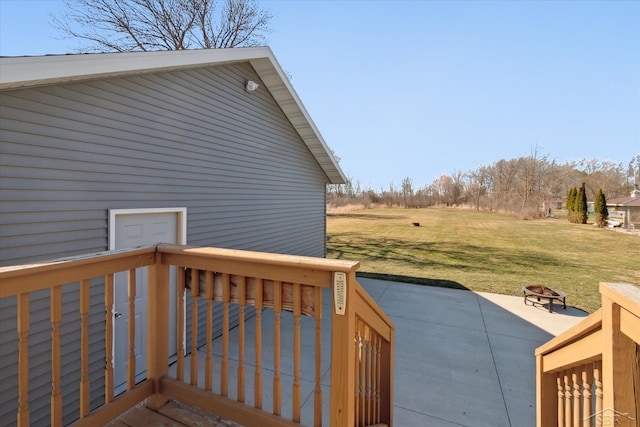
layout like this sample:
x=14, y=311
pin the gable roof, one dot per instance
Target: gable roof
x=624, y=201
x=29, y=71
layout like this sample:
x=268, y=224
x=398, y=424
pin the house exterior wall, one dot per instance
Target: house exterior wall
x=631, y=215
x=189, y=138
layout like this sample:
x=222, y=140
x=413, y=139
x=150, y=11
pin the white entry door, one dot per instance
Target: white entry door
x=131, y=228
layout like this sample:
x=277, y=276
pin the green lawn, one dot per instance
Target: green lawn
x=485, y=251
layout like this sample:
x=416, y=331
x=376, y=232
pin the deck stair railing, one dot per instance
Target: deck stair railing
x=590, y=374
x=287, y=293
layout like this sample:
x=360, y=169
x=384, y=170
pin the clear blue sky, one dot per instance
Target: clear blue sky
x=417, y=89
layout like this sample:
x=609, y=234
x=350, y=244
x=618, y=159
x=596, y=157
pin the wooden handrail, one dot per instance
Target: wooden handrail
x=585, y=327
x=27, y=278
x=372, y=314
x=286, y=268
x=283, y=282
x=596, y=359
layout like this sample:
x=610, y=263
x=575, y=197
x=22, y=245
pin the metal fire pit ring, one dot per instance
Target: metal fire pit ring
x=541, y=291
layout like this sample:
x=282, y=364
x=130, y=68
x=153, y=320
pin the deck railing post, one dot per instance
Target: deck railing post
x=342, y=402
x=386, y=381
x=546, y=395
x=595, y=364
x=24, y=322
x=157, y=329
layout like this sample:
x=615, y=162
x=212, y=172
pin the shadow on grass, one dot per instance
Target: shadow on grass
x=458, y=255
x=362, y=216
x=441, y=283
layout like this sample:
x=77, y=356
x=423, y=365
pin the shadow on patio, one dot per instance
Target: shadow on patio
x=461, y=358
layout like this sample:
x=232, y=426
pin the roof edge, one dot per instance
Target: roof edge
x=25, y=71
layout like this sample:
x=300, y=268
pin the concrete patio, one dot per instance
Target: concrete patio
x=464, y=358
x=461, y=358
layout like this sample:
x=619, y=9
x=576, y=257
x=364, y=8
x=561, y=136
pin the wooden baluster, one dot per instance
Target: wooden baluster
x=577, y=397
x=378, y=375
x=297, y=309
x=356, y=374
x=85, y=386
x=317, y=395
x=195, y=290
x=370, y=375
x=108, y=338
x=131, y=359
x=561, y=409
x=56, y=316
x=208, y=366
x=224, y=365
x=372, y=378
x=597, y=381
x=587, y=382
x=370, y=381
x=23, y=359
x=365, y=380
x=363, y=375
x=277, y=308
x=180, y=288
x=257, y=376
x=359, y=373
x=367, y=377
x=567, y=399
x=242, y=297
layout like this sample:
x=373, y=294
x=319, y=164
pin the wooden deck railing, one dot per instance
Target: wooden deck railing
x=287, y=288
x=362, y=362
x=590, y=374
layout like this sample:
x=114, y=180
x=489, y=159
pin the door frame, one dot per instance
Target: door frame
x=182, y=221
x=181, y=239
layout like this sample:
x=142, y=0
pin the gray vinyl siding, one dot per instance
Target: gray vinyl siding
x=190, y=138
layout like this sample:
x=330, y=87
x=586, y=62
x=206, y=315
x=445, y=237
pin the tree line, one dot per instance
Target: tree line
x=526, y=186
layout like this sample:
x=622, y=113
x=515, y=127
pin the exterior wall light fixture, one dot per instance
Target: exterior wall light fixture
x=250, y=85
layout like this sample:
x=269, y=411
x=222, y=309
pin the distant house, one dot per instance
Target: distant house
x=105, y=151
x=626, y=210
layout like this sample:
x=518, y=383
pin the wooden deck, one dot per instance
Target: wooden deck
x=174, y=414
x=356, y=375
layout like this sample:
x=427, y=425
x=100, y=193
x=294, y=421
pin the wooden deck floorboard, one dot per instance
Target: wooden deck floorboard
x=172, y=414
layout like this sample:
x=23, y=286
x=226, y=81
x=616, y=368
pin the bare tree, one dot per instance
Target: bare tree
x=633, y=172
x=479, y=180
x=503, y=178
x=439, y=188
x=407, y=191
x=449, y=190
x=532, y=171
x=605, y=175
x=144, y=25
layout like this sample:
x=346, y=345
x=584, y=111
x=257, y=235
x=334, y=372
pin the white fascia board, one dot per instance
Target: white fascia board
x=17, y=72
x=280, y=88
